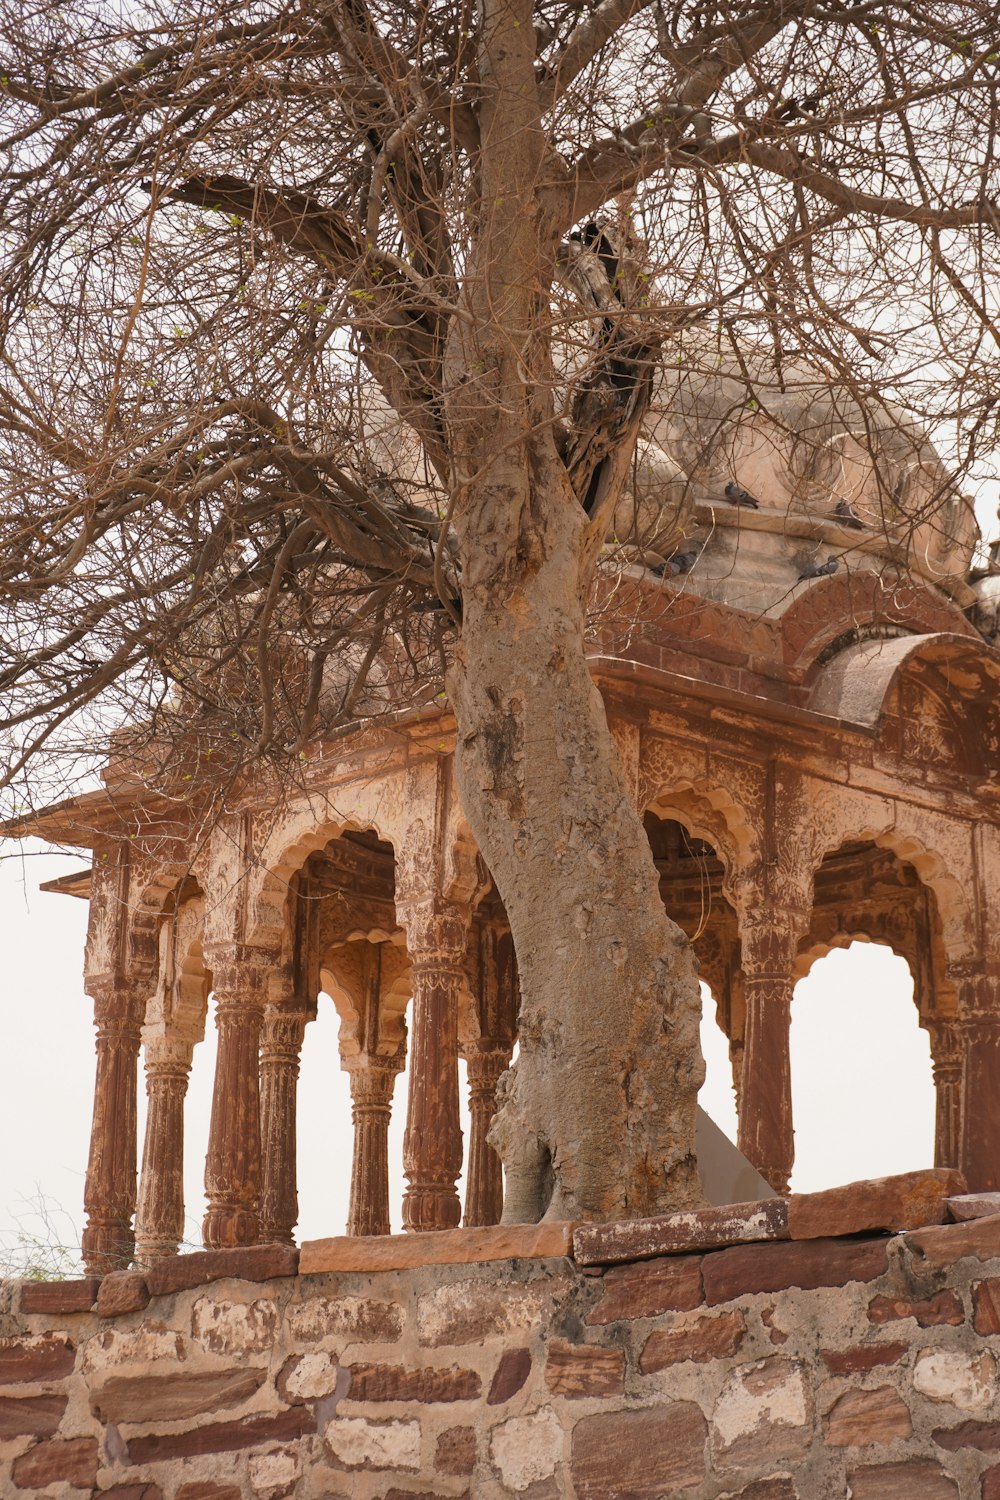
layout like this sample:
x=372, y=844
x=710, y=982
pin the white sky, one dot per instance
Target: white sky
x=861, y=1076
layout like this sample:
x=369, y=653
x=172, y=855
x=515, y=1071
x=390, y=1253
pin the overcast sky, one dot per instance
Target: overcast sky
x=863, y=1095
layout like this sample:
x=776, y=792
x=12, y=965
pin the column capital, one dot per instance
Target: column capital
x=437, y=931
x=769, y=944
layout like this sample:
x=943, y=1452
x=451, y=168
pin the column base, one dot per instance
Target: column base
x=225, y=1227
x=431, y=1207
x=108, y=1245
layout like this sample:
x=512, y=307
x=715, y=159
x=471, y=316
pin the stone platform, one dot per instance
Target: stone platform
x=841, y=1344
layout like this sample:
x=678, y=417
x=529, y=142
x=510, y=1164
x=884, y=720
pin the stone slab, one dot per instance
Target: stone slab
x=47, y=1358
x=974, y=1206
x=222, y=1437
x=72, y=1463
x=172, y=1396
x=31, y=1416
x=179, y=1273
x=677, y=1234
x=809, y=1264
x=643, y=1455
x=943, y=1245
x=909, y=1200
x=647, y=1288
x=59, y=1296
x=122, y=1292
x=399, y=1252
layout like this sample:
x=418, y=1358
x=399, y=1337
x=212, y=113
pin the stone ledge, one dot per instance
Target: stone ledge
x=179, y=1273
x=678, y=1234
x=59, y=1296
x=399, y=1252
x=941, y=1246
x=909, y=1200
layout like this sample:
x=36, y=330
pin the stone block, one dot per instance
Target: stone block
x=916, y=1479
x=942, y=1246
x=863, y=1417
x=221, y=1437
x=310, y=1377
x=59, y=1296
x=983, y=1436
x=372, y=1382
x=779, y=1487
x=122, y=1292
x=672, y=1234
x=398, y=1494
x=273, y=1476
x=207, y=1489
x=907, y=1201
x=455, y=1452
x=30, y=1416
x=861, y=1358
x=584, y=1370
x=991, y=1483
x=138, y=1491
x=397, y=1252
x=73, y=1462
x=986, y=1305
x=468, y=1312
x=357, y=1319
x=178, y=1273
x=173, y=1395
x=354, y=1443
x=649, y=1288
x=150, y=1342
x=526, y=1450
x=763, y=1413
x=510, y=1375
x=702, y=1339
x=966, y=1381
x=808, y=1264
x=944, y=1310
x=640, y=1454
x=235, y=1328
x=974, y=1206
x=49, y=1357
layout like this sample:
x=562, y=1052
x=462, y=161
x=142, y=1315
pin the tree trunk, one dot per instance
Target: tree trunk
x=597, y=1118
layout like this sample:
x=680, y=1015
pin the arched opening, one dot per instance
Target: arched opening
x=862, y=1086
x=869, y=992
x=691, y=878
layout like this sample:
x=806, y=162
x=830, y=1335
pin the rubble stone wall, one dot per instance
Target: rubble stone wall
x=861, y=1366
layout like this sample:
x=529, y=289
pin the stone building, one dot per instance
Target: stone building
x=809, y=723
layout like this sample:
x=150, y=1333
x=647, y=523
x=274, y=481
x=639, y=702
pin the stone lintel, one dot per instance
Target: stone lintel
x=677, y=1234
x=397, y=1252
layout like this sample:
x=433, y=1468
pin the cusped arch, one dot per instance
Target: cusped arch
x=810, y=955
x=709, y=812
x=304, y=830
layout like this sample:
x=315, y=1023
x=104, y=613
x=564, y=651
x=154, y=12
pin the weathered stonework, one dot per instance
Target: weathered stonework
x=530, y=1379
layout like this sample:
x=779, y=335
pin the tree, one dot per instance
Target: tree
x=332, y=335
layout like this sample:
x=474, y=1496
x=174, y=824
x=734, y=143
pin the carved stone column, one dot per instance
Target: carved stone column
x=159, y=1225
x=977, y=1029
x=432, y=1145
x=484, y=1185
x=946, y=1058
x=109, y=1193
x=373, y=1079
x=280, y=1048
x=766, y=1133
x=233, y=1164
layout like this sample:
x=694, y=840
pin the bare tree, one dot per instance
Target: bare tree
x=331, y=334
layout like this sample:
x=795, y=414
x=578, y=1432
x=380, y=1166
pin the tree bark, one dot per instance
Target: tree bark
x=597, y=1118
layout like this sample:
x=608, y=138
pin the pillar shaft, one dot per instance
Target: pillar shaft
x=372, y=1083
x=233, y=1164
x=110, y=1190
x=977, y=1033
x=432, y=1145
x=280, y=1049
x=766, y=1132
x=946, y=1057
x=484, y=1185
x=160, y=1215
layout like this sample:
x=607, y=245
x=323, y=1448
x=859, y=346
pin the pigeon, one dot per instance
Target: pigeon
x=820, y=570
x=739, y=496
x=845, y=512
